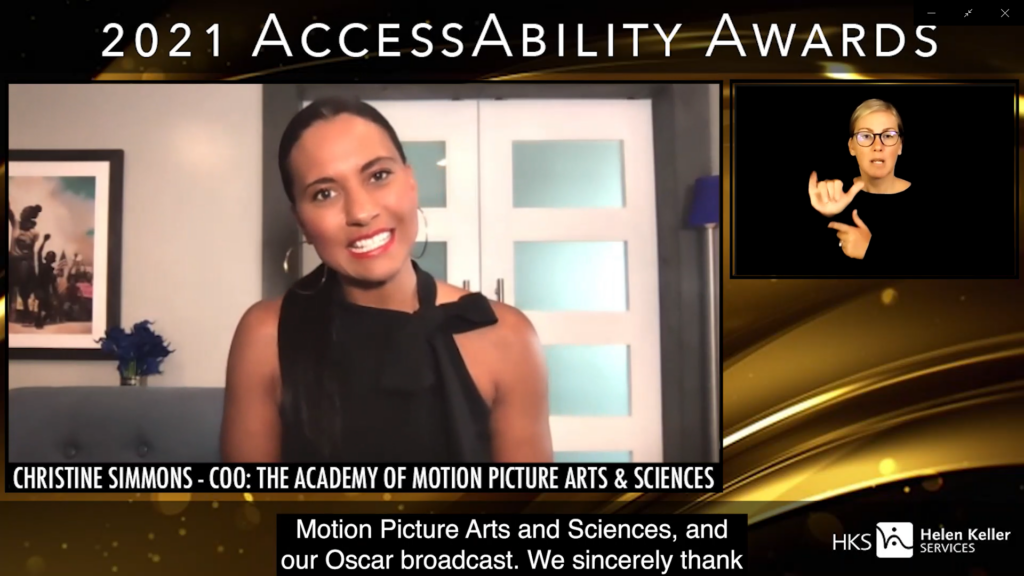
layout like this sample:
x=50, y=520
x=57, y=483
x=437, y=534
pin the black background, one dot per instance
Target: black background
x=959, y=147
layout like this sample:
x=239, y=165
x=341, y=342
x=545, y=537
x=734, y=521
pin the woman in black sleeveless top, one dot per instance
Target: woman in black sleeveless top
x=878, y=225
x=369, y=358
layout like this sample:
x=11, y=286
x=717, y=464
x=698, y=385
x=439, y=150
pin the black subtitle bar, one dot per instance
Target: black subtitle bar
x=542, y=544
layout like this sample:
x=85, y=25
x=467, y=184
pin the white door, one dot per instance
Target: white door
x=440, y=143
x=569, y=236
x=554, y=200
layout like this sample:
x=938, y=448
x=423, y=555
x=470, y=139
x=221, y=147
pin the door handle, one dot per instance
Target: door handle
x=499, y=290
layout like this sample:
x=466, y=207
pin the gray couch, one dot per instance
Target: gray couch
x=114, y=424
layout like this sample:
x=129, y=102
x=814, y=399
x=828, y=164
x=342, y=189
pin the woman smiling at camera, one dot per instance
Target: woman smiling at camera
x=369, y=358
x=878, y=220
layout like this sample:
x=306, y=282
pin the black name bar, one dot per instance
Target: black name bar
x=50, y=478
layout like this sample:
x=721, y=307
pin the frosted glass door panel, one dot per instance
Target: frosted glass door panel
x=548, y=276
x=429, y=162
x=432, y=257
x=567, y=174
x=623, y=457
x=588, y=380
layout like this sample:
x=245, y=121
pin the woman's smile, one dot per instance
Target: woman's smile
x=373, y=244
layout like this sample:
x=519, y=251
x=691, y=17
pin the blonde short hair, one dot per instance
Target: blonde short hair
x=872, y=106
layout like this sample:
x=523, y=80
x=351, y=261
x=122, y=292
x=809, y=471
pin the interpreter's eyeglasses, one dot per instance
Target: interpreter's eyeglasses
x=889, y=138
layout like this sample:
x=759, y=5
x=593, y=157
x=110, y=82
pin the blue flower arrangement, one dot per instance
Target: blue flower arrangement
x=139, y=353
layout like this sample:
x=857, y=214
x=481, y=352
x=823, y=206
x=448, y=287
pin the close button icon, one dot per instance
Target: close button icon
x=1006, y=13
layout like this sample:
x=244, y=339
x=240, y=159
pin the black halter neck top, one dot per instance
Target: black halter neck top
x=370, y=385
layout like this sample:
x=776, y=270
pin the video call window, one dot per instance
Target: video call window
x=874, y=179
x=412, y=224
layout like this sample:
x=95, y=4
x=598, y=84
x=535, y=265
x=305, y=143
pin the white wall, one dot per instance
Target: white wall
x=192, y=211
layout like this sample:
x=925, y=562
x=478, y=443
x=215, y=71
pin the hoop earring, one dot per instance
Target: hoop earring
x=426, y=234
x=288, y=255
x=323, y=280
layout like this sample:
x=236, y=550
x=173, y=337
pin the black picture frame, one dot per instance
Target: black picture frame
x=22, y=343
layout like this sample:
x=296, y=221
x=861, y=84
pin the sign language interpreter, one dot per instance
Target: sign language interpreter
x=876, y=142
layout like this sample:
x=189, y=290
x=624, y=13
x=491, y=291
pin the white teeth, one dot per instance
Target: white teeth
x=371, y=244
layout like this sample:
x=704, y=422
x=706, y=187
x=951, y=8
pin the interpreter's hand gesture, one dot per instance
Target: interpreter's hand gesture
x=828, y=196
x=853, y=240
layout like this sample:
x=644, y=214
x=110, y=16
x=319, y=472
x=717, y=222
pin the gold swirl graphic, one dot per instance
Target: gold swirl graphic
x=969, y=432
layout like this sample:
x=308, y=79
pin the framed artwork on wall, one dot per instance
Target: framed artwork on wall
x=64, y=212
